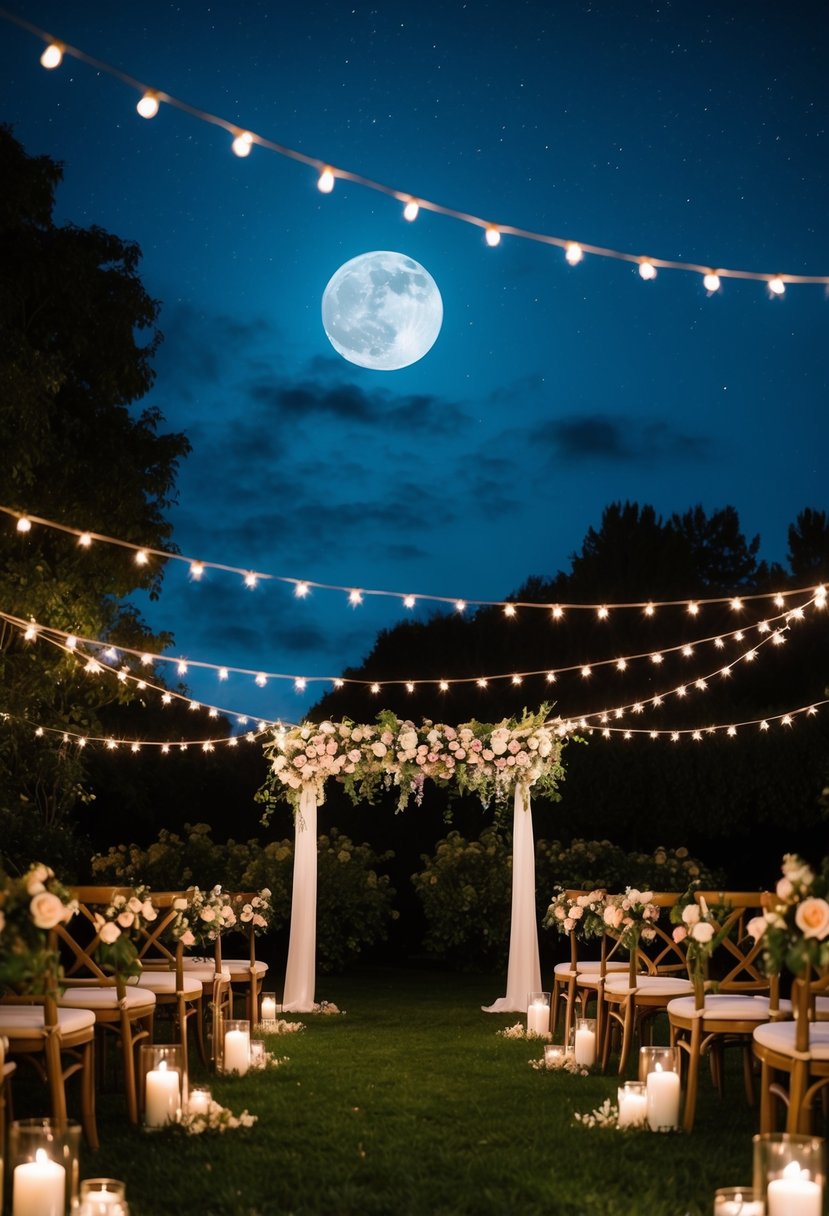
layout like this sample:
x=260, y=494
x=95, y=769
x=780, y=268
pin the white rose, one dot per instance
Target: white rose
x=690, y=914
x=702, y=931
x=379, y=749
x=407, y=740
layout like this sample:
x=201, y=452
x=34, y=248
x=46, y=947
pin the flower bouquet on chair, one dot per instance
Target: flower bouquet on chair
x=582, y=914
x=118, y=927
x=30, y=906
x=795, y=926
x=699, y=931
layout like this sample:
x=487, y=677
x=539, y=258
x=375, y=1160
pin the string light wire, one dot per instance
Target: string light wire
x=303, y=586
x=328, y=174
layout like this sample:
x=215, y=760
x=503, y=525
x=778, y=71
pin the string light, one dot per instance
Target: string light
x=196, y=570
x=411, y=210
x=251, y=580
x=52, y=57
x=711, y=282
x=573, y=253
x=24, y=524
x=148, y=105
x=54, y=52
x=242, y=145
x=492, y=236
x=647, y=270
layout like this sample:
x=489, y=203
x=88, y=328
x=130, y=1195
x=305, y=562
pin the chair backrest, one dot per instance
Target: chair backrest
x=736, y=964
x=659, y=956
x=806, y=988
x=78, y=941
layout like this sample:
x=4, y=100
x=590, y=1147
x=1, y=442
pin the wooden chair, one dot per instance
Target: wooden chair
x=577, y=981
x=797, y=1050
x=246, y=974
x=657, y=972
x=162, y=964
x=709, y=1021
x=57, y=1043
x=121, y=1010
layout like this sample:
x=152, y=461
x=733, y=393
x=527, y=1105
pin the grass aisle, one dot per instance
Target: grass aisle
x=411, y=1105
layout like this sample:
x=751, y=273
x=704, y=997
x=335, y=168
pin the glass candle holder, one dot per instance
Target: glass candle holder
x=234, y=1056
x=658, y=1070
x=103, y=1197
x=257, y=1053
x=584, y=1042
x=162, y=1082
x=267, y=1008
x=632, y=1098
x=199, y=1100
x=736, y=1201
x=554, y=1055
x=538, y=1014
x=43, y=1166
x=789, y=1174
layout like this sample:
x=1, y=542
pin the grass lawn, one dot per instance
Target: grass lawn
x=412, y=1105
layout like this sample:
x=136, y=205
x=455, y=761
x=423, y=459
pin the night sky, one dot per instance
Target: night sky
x=679, y=131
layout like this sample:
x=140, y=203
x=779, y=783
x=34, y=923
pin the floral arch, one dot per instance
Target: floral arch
x=497, y=762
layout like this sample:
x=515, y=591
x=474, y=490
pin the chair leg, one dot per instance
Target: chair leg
x=54, y=1071
x=799, y=1117
x=88, y=1117
x=766, y=1099
x=627, y=1034
x=692, y=1075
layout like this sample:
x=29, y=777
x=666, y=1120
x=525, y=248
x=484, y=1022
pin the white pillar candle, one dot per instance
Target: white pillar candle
x=538, y=1018
x=737, y=1206
x=585, y=1046
x=199, y=1103
x=39, y=1187
x=792, y=1195
x=663, y=1099
x=268, y=1011
x=101, y=1203
x=633, y=1107
x=237, y=1051
x=162, y=1096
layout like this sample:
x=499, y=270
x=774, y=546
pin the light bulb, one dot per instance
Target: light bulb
x=148, y=106
x=301, y=590
x=573, y=253
x=410, y=686
x=492, y=237
x=776, y=286
x=261, y=680
x=141, y=557
x=300, y=684
x=443, y=686
x=355, y=598
x=52, y=56
x=408, y=601
x=242, y=144
x=410, y=211
x=196, y=570
x=84, y=540
x=24, y=524
x=711, y=281
x=223, y=673
x=647, y=270
x=325, y=181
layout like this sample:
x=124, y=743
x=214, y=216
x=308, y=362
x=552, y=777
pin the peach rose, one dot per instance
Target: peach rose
x=46, y=909
x=109, y=933
x=812, y=918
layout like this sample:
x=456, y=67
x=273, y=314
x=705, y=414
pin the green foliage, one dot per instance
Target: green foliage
x=465, y=889
x=77, y=337
x=354, y=901
x=585, y=864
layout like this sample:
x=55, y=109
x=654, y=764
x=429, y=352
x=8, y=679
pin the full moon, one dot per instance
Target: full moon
x=382, y=310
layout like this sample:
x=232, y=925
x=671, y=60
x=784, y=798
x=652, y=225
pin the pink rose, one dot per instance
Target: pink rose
x=46, y=909
x=125, y=919
x=187, y=938
x=756, y=927
x=679, y=934
x=812, y=918
x=109, y=933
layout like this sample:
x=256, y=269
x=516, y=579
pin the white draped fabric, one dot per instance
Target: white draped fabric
x=524, y=969
x=300, y=973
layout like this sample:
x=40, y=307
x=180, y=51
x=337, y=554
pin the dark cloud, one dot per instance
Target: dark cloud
x=621, y=440
x=309, y=398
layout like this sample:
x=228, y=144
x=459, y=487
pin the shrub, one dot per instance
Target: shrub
x=465, y=889
x=354, y=902
x=586, y=864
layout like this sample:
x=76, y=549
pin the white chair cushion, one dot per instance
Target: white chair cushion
x=205, y=973
x=588, y=967
x=822, y=1009
x=163, y=983
x=26, y=1021
x=649, y=985
x=728, y=1006
x=241, y=967
x=106, y=998
x=780, y=1037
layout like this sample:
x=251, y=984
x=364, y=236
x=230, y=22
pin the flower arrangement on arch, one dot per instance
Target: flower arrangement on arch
x=31, y=905
x=485, y=759
x=201, y=916
x=117, y=928
x=795, y=927
x=631, y=917
x=582, y=914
